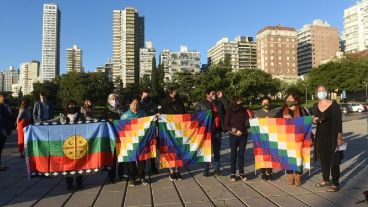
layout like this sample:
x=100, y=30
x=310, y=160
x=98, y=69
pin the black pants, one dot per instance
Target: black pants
x=136, y=170
x=2, y=143
x=122, y=167
x=153, y=164
x=237, y=146
x=330, y=164
x=216, y=149
x=78, y=180
x=264, y=170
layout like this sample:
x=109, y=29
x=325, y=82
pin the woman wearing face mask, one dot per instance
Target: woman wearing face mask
x=236, y=121
x=327, y=117
x=135, y=169
x=72, y=115
x=265, y=112
x=111, y=113
x=292, y=109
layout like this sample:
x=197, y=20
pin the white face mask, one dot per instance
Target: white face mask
x=213, y=98
x=322, y=95
x=113, y=103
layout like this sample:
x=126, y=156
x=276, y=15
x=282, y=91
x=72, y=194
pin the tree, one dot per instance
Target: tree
x=346, y=74
x=157, y=81
x=49, y=88
x=254, y=83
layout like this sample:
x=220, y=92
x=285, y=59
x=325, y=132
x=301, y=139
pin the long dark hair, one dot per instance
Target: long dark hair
x=233, y=106
x=85, y=105
x=24, y=104
x=66, y=109
x=295, y=96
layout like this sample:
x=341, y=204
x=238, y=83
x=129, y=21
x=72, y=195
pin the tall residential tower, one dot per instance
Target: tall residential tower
x=50, y=67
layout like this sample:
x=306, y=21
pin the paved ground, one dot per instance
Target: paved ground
x=194, y=189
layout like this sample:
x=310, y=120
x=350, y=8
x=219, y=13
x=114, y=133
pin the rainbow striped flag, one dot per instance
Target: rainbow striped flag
x=68, y=149
x=136, y=139
x=282, y=144
x=185, y=139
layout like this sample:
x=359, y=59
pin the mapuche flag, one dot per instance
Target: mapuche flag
x=282, y=144
x=69, y=149
x=185, y=139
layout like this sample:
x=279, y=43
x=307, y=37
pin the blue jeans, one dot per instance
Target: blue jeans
x=216, y=149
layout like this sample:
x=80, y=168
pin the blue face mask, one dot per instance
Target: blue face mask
x=322, y=95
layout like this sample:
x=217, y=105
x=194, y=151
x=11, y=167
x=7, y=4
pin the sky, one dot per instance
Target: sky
x=199, y=24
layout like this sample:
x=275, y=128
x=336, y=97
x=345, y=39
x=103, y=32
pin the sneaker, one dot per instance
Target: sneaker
x=242, y=177
x=217, y=173
x=131, y=183
x=178, y=176
x=172, y=176
x=264, y=177
x=232, y=177
x=143, y=181
x=206, y=174
x=269, y=177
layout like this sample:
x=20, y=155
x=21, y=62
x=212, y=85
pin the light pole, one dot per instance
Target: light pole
x=366, y=90
x=306, y=92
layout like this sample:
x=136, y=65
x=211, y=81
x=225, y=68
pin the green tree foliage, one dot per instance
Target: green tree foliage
x=49, y=88
x=347, y=74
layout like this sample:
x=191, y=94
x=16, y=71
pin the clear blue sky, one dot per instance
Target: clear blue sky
x=199, y=24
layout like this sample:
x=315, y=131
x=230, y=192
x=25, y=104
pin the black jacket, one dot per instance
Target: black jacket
x=171, y=106
x=149, y=107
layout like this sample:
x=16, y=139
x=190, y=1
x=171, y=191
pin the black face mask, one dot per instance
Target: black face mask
x=72, y=110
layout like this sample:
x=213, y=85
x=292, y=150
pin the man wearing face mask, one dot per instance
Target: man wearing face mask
x=173, y=105
x=265, y=112
x=150, y=109
x=327, y=117
x=210, y=103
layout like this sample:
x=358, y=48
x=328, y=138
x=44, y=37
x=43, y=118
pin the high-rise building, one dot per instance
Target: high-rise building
x=2, y=81
x=128, y=37
x=182, y=61
x=316, y=42
x=74, y=59
x=106, y=69
x=146, y=56
x=11, y=76
x=242, y=52
x=28, y=74
x=355, y=34
x=50, y=67
x=277, y=51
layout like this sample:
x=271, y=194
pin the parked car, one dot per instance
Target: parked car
x=345, y=108
x=354, y=107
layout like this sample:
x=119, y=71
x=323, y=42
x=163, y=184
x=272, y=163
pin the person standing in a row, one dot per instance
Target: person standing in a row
x=218, y=115
x=43, y=109
x=136, y=170
x=327, y=117
x=173, y=105
x=236, y=122
x=265, y=112
x=23, y=120
x=292, y=109
x=4, y=118
x=113, y=112
x=150, y=109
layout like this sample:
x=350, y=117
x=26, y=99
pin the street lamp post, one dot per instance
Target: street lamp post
x=366, y=90
x=306, y=92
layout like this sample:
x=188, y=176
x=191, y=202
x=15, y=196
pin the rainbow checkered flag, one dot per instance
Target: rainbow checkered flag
x=185, y=139
x=282, y=144
x=136, y=139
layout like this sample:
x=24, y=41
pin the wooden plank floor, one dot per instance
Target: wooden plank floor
x=194, y=189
